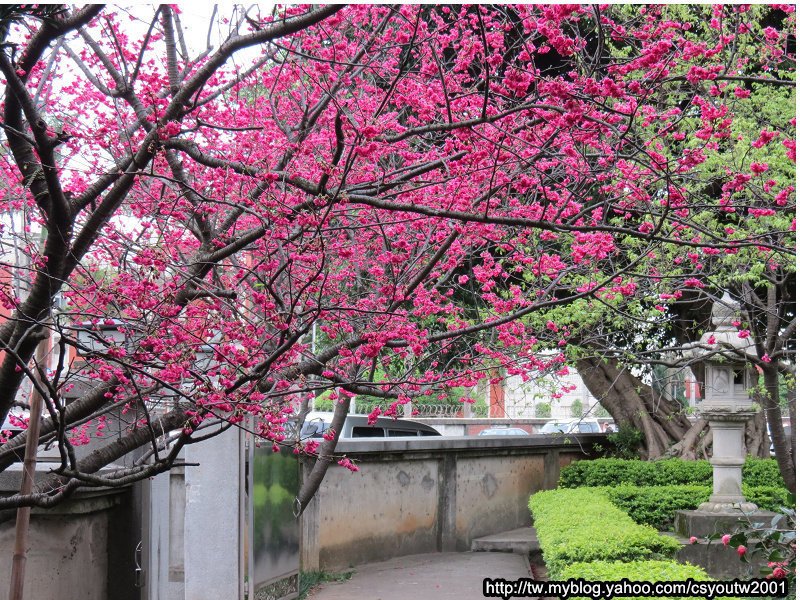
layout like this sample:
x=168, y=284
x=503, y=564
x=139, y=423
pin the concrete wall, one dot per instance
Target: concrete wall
x=69, y=547
x=451, y=426
x=428, y=495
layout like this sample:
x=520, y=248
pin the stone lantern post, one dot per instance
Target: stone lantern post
x=727, y=407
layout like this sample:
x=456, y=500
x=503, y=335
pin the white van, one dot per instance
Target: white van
x=356, y=426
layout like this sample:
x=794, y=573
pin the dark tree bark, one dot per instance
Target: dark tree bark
x=662, y=420
x=633, y=403
x=783, y=447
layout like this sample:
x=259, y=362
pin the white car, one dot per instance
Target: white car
x=571, y=426
x=503, y=431
x=357, y=426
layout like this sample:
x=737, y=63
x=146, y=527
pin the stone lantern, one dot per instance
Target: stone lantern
x=727, y=406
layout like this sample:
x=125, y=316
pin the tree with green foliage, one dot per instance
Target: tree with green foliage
x=742, y=187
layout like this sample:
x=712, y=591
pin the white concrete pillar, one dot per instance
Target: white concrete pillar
x=212, y=537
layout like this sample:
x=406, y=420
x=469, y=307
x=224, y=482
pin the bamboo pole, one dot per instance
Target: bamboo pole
x=28, y=473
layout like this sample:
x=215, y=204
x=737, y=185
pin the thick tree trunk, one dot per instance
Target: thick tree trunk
x=781, y=444
x=692, y=441
x=666, y=429
x=756, y=437
x=633, y=403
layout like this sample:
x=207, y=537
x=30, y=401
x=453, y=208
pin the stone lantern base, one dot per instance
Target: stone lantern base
x=702, y=523
x=718, y=560
x=727, y=509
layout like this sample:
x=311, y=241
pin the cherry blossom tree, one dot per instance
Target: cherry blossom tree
x=373, y=200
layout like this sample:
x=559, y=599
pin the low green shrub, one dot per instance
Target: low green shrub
x=618, y=471
x=673, y=471
x=581, y=525
x=769, y=497
x=760, y=472
x=656, y=505
x=640, y=570
x=626, y=443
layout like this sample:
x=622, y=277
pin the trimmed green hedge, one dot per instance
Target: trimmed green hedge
x=673, y=471
x=656, y=505
x=642, y=570
x=581, y=525
x=762, y=472
x=769, y=497
x=618, y=471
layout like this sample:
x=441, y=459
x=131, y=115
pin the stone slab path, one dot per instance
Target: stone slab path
x=443, y=576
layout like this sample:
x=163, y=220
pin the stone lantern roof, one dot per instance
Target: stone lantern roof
x=725, y=333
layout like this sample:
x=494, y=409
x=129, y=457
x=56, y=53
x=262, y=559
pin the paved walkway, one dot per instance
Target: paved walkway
x=444, y=576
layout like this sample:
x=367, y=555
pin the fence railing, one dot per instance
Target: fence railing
x=438, y=411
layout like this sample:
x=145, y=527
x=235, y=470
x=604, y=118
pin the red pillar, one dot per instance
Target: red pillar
x=497, y=399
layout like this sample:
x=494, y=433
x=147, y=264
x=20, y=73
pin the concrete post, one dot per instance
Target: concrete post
x=212, y=545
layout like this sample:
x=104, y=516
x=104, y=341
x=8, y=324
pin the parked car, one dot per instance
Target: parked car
x=503, y=431
x=571, y=426
x=356, y=426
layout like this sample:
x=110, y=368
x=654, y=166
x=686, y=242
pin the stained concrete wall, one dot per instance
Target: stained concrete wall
x=68, y=550
x=413, y=496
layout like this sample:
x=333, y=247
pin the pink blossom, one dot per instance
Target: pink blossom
x=764, y=138
x=791, y=149
x=742, y=550
x=693, y=540
x=693, y=282
x=771, y=34
x=348, y=464
x=744, y=333
x=172, y=128
x=372, y=418
x=726, y=539
x=779, y=573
